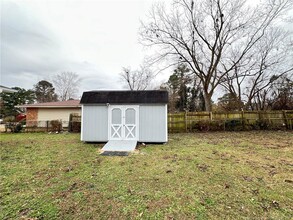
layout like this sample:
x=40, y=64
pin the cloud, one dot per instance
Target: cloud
x=92, y=77
x=94, y=39
x=31, y=52
x=27, y=46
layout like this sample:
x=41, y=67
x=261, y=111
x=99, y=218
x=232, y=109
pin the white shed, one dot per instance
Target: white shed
x=124, y=115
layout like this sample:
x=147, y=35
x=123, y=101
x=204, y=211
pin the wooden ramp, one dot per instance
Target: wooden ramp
x=120, y=145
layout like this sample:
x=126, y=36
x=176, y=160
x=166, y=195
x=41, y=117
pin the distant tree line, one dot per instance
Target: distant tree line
x=278, y=95
x=186, y=94
x=66, y=84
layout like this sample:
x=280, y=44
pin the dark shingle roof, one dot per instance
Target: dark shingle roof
x=124, y=97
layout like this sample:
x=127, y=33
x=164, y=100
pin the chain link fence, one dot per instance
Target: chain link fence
x=52, y=126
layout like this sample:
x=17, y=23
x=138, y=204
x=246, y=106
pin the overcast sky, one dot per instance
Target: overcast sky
x=95, y=39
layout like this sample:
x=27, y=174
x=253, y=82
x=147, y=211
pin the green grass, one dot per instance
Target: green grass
x=221, y=175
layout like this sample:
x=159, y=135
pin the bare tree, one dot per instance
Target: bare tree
x=282, y=93
x=137, y=79
x=66, y=84
x=271, y=58
x=205, y=34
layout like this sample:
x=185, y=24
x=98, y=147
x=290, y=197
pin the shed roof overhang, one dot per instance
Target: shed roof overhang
x=125, y=97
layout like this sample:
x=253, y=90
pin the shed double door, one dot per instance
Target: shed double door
x=123, y=122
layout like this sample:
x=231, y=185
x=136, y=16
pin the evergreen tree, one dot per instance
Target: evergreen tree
x=184, y=92
x=10, y=100
x=184, y=78
x=282, y=95
x=45, y=92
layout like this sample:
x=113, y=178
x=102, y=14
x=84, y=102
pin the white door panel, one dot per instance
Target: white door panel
x=123, y=122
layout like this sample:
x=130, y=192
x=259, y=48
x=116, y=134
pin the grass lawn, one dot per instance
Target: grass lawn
x=222, y=175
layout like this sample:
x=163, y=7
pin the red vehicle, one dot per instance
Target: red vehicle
x=20, y=117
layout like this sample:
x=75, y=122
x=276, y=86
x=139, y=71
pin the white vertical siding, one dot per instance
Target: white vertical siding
x=94, y=126
x=153, y=123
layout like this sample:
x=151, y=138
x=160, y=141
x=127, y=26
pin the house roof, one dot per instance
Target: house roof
x=6, y=89
x=124, y=97
x=61, y=104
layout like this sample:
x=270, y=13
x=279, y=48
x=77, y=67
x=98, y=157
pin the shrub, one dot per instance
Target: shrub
x=9, y=119
x=56, y=125
x=233, y=125
x=201, y=125
x=75, y=126
x=14, y=127
x=263, y=124
x=17, y=128
x=216, y=125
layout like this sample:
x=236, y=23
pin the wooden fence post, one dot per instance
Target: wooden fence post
x=185, y=120
x=242, y=117
x=170, y=121
x=285, y=119
x=211, y=116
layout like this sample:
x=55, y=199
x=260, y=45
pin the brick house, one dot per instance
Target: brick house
x=40, y=113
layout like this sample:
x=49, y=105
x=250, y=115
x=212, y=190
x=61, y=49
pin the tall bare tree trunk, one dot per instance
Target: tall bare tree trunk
x=207, y=101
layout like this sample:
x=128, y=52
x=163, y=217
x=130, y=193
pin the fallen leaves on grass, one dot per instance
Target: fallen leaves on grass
x=202, y=167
